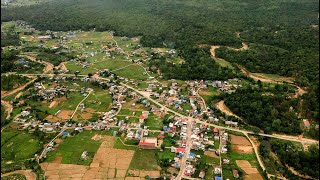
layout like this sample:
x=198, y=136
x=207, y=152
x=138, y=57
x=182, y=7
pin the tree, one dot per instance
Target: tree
x=76, y=73
x=89, y=75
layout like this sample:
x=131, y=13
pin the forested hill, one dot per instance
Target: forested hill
x=283, y=35
x=174, y=23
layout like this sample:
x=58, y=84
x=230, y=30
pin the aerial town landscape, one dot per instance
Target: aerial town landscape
x=86, y=103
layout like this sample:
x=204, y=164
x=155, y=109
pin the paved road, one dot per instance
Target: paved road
x=187, y=151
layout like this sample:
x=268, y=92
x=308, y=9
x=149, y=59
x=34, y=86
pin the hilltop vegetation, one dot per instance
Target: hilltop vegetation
x=173, y=23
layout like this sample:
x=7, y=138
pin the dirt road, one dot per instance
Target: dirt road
x=8, y=107
x=48, y=66
x=17, y=89
x=222, y=107
x=28, y=173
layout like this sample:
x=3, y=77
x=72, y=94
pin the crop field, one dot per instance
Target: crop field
x=241, y=150
x=144, y=159
x=72, y=147
x=154, y=122
x=17, y=146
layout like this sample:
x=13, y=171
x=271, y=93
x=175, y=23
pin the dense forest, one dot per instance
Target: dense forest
x=198, y=65
x=168, y=23
x=283, y=38
x=305, y=162
x=11, y=81
x=271, y=111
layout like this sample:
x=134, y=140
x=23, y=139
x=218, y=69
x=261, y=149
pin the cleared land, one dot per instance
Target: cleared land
x=107, y=163
x=252, y=172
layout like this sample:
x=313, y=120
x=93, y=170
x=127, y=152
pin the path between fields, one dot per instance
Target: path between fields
x=28, y=173
x=8, y=107
x=79, y=104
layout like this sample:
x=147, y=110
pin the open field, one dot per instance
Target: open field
x=17, y=146
x=72, y=147
x=144, y=159
x=252, y=172
x=106, y=163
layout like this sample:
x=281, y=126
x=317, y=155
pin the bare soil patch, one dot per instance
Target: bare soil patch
x=3, y=92
x=243, y=149
x=211, y=154
x=86, y=115
x=222, y=107
x=206, y=93
x=52, y=118
x=65, y=114
x=52, y=104
x=8, y=107
x=239, y=140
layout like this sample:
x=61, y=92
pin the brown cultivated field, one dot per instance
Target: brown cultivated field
x=252, y=172
x=241, y=144
x=211, y=154
x=108, y=163
x=65, y=114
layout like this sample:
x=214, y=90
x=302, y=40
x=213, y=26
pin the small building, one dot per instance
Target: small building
x=148, y=143
x=217, y=178
x=306, y=123
x=235, y=173
x=84, y=155
x=202, y=174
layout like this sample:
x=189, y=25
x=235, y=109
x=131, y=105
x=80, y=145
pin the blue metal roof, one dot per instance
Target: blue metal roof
x=218, y=178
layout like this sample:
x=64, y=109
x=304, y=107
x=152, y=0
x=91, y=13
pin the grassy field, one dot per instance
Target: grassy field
x=144, y=159
x=274, y=77
x=102, y=100
x=207, y=93
x=72, y=147
x=119, y=145
x=154, y=122
x=17, y=146
x=233, y=156
x=224, y=63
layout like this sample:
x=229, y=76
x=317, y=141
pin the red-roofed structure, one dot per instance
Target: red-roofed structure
x=160, y=136
x=178, y=150
x=216, y=130
x=147, y=145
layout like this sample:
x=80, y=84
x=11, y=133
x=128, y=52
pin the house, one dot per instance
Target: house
x=148, y=143
x=84, y=155
x=217, y=171
x=235, y=173
x=217, y=178
x=180, y=150
x=306, y=123
x=65, y=133
x=216, y=131
x=202, y=174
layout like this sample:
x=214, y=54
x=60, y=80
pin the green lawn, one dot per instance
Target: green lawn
x=102, y=102
x=119, y=145
x=144, y=159
x=18, y=145
x=224, y=63
x=154, y=122
x=72, y=147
